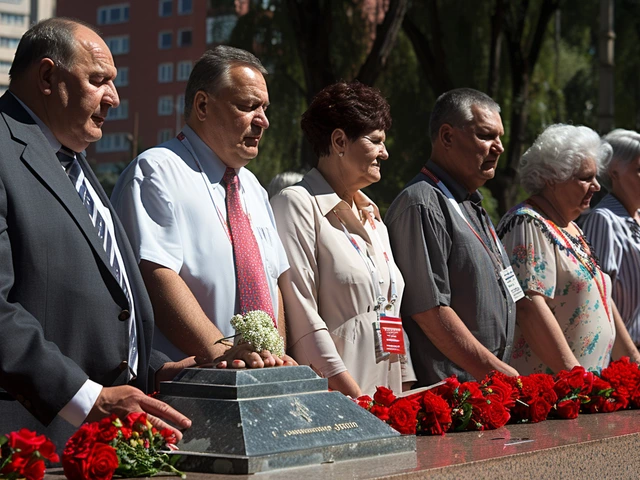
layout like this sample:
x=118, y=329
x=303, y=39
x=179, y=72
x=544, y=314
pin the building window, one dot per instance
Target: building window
x=184, y=70
x=185, y=37
x=13, y=19
x=165, y=7
x=164, y=40
x=185, y=7
x=119, y=113
x=165, y=72
x=8, y=42
x=118, y=45
x=113, y=14
x=113, y=142
x=219, y=28
x=165, y=105
x=122, y=80
x=165, y=135
x=5, y=66
x=180, y=104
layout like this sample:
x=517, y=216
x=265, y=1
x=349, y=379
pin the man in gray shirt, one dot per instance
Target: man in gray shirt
x=457, y=309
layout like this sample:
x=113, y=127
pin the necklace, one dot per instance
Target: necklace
x=582, y=251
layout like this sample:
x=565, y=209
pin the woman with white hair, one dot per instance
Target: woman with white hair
x=613, y=227
x=567, y=317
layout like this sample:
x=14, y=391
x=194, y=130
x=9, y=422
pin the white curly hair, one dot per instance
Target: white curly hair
x=558, y=153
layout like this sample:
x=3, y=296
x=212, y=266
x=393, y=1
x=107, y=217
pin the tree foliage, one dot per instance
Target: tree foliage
x=537, y=58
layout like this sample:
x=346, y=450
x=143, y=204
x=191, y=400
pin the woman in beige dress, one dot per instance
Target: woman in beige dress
x=343, y=283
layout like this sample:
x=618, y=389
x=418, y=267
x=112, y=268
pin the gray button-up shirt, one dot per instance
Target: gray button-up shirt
x=445, y=264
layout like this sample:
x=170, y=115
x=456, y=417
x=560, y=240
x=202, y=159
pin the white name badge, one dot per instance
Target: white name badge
x=511, y=283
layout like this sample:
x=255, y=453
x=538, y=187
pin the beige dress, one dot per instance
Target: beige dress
x=330, y=298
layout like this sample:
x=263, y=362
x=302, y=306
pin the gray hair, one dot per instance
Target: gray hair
x=53, y=38
x=454, y=107
x=626, y=148
x=211, y=72
x=558, y=153
x=283, y=180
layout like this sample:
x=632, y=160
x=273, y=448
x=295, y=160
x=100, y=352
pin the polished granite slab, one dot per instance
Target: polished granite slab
x=250, y=421
x=602, y=446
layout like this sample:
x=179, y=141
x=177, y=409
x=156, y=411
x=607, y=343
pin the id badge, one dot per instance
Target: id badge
x=392, y=337
x=381, y=354
x=511, y=284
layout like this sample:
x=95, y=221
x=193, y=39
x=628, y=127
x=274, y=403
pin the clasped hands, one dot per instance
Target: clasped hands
x=244, y=356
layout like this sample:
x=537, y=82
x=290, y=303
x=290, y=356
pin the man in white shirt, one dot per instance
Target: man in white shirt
x=173, y=202
x=75, y=318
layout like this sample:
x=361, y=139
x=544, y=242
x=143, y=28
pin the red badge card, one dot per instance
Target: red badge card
x=392, y=338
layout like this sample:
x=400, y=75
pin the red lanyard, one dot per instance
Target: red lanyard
x=447, y=193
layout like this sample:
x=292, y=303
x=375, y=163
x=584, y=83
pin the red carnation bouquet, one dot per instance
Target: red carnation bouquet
x=498, y=399
x=129, y=448
x=22, y=455
x=477, y=406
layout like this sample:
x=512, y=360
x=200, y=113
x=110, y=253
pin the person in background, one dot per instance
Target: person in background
x=613, y=227
x=458, y=310
x=568, y=317
x=283, y=180
x=344, y=281
x=200, y=222
x=75, y=320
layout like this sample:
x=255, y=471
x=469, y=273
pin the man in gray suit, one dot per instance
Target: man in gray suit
x=75, y=319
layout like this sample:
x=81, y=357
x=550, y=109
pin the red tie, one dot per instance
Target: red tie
x=252, y=282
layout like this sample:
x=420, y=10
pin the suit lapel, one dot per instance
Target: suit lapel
x=37, y=155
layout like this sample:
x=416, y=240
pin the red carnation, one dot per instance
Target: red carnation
x=364, y=401
x=568, y=408
x=169, y=436
x=384, y=396
x=380, y=411
x=435, y=415
x=496, y=415
x=107, y=431
x=624, y=376
x=403, y=415
x=26, y=441
x=34, y=470
x=79, y=444
x=135, y=420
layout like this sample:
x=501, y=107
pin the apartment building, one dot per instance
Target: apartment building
x=154, y=45
x=15, y=18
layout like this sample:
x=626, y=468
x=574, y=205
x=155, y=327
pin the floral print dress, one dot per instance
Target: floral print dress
x=548, y=260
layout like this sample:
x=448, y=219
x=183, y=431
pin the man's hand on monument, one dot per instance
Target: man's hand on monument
x=243, y=356
x=125, y=399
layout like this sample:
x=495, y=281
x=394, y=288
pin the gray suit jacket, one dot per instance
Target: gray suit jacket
x=62, y=312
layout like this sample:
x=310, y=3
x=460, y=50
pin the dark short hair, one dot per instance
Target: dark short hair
x=52, y=38
x=354, y=107
x=212, y=70
x=454, y=108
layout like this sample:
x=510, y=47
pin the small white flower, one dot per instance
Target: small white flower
x=256, y=328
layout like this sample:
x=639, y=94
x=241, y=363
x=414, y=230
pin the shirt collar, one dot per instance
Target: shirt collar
x=210, y=162
x=326, y=198
x=612, y=203
x=458, y=191
x=53, y=141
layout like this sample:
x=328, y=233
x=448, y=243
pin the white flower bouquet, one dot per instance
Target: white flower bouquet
x=256, y=328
